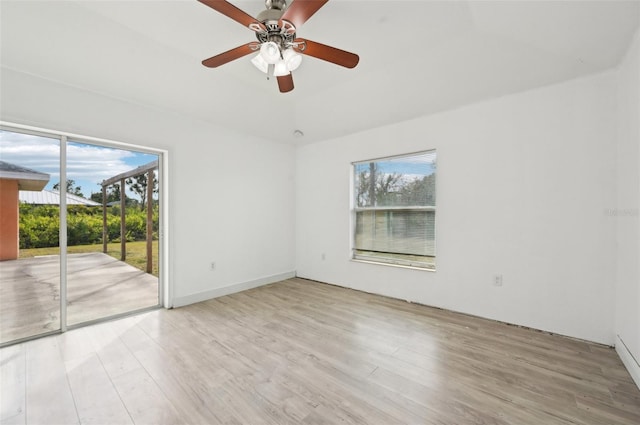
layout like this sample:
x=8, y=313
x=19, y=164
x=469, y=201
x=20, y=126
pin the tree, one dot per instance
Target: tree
x=387, y=187
x=113, y=194
x=375, y=188
x=138, y=184
x=70, y=188
x=420, y=192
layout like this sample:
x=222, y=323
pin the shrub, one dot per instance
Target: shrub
x=39, y=225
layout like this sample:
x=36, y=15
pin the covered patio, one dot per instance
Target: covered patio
x=98, y=286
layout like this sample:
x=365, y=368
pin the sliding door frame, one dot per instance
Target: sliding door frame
x=165, y=292
x=63, y=235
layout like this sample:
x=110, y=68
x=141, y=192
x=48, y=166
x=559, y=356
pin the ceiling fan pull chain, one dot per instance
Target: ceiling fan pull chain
x=270, y=70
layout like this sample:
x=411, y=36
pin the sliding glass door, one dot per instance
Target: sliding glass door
x=112, y=237
x=29, y=236
x=85, y=227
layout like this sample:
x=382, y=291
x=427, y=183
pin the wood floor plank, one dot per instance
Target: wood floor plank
x=13, y=385
x=138, y=391
x=301, y=352
x=187, y=385
x=96, y=399
x=48, y=398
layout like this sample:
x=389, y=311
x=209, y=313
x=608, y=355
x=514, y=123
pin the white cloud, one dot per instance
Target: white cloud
x=88, y=165
x=87, y=162
x=38, y=153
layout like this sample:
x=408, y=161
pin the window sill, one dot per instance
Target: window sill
x=401, y=266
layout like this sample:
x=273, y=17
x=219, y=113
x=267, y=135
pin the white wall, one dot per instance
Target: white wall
x=526, y=187
x=231, y=196
x=523, y=185
x=627, y=212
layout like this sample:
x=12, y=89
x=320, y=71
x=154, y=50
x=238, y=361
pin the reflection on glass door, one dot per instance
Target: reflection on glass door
x=112, y=231
x=29, y=235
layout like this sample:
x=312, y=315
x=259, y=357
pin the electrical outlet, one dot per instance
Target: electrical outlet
x=323, y=257
x=497, y=280
x=212, y=266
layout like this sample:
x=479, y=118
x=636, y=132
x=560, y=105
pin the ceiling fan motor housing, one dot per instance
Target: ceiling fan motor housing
x=279, y=31
x=283, y=35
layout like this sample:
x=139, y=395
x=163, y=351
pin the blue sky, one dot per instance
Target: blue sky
x=416, y=165
x=87, y=164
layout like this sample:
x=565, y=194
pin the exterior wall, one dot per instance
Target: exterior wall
x=9, y=233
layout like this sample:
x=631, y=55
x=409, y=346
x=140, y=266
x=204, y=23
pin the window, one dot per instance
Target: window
x=395, y=210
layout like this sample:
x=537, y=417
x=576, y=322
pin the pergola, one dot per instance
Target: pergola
x=120, y=179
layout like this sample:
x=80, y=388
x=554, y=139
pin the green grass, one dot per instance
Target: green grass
x=136, y=253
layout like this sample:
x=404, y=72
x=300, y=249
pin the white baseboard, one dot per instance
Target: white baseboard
x=630, y=362
x=231, y=289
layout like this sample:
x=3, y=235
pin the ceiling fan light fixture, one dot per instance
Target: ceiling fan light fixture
x=270, y=52
x=259, y=62
x=281, y=69
x=276, y=31
x=292, y=59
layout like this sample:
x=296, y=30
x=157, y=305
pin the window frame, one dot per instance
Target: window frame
x=402, y=260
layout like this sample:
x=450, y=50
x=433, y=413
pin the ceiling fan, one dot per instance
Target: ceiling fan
x=279, y=48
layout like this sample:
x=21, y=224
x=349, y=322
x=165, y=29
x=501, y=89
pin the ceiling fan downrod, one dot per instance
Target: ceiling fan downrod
x=275, y=4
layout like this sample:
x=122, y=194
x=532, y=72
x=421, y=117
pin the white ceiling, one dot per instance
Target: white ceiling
x=416, y=57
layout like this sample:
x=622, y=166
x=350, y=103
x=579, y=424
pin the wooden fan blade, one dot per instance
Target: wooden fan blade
x=326, y=53
x=234, y=13
x=300, y=11
x=285, y=83
x=230, y=55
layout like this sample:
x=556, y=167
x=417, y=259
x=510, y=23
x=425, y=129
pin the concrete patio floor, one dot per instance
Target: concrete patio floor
x=98, y=286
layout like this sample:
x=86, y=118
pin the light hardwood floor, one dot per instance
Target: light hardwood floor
x=301, y=352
